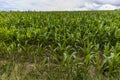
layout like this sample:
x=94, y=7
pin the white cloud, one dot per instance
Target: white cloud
x=48, y=4
x=107, y=7
x=91, y=6
x=59, y=5
x=112, y=2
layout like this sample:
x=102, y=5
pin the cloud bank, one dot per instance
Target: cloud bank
x=59, y=5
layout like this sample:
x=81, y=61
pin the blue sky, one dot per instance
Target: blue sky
x=59, y=5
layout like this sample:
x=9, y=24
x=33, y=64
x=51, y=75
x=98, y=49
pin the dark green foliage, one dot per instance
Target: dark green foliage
x=63, y=45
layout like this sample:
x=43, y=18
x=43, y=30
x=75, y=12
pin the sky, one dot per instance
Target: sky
x=58, y=5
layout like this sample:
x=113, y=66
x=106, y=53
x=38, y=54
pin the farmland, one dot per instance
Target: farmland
x=60, y=45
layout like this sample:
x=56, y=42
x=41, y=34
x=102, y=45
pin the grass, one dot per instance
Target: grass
x=60, y=45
